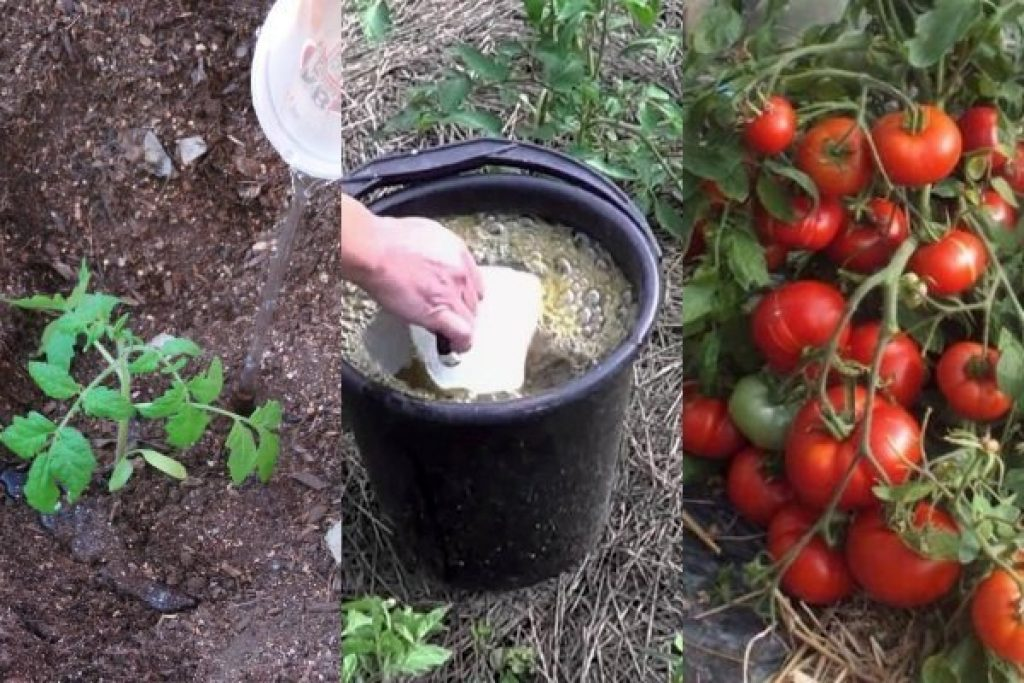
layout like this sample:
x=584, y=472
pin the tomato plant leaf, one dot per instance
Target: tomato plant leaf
x=534, y=10
x=41, y=490
x=241, y=452
x=39, y=302
x=609, y=169
x=775, y=199
x=206, y=388
x=937, y=669
x=644, y=12
x=26, y=436
x=71, y=461
x=55, y=382
x=169, y=403
x=745, y=257
x=165, y=464
x=59, y=347
x=177, y=346
x=1004, y=190
x=108, y=403
x=120, y=475
x=147, y=361
x=476, y=119
x=717, y=30
x=266, y=454
x=940, y=29
x=187, y=426
x=698, y=300
x=799, y=177
x=376, y=20
x=1010, y=369
x=479, y=64
x=267, y=415
x=423, y=658
x=669, y=219
x=452, y=92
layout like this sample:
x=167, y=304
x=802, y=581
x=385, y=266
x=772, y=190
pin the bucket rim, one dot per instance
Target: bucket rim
x=492, y=412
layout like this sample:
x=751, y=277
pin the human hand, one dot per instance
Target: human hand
x=422, y=272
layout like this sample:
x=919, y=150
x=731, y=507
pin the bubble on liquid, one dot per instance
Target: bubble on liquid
x=563, y=266
x=592, y=297
x=585, y=316
x=496, y=228
x=568, y=298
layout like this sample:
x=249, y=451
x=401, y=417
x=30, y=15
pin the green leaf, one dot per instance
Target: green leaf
x=476, y=119
x=668, y=218
x=1004, y=190
x=108, y=403
x=266, y=455
x=349, y=667
x=206, y=388
x=41, y=490
x=54, y=381
x=940, y=29
x=376, y=20
x=59, y=348
x=71, y=461
x=480, y=64
x=186, y=427
x=241, y=452
x=40, y=302
x=775, y=199
x=267, y=415
x=561, y=71
x=644, y=12
x=800, y=178
x=609, y=169
x=717, y=30
x=745, y=257
x=165, y=464
x=698, y=300
x=147, y=361
x=534, y=10
x=424, y=658
x=26, y=436
x=175, y=346
x=452, y=92
x=119, y=477
x=570, y=9
x=1010, y=369
x=937, y=669
x=169, y=403
x=81, y=286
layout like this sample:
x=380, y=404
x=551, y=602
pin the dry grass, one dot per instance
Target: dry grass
x=600, y=622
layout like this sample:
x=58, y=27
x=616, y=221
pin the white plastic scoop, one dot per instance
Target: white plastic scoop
x=506, y=321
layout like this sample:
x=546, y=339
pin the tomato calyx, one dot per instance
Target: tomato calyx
x=980, y=368
x=915, y=120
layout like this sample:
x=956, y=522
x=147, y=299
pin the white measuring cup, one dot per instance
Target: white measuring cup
x=296, y=84
x=506, y=321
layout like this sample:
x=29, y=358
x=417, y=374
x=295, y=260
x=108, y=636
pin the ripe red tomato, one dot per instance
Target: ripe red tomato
x=917, y=157
x=756, y=493
x=952, y=265
x=889, y=570
x=773, y=130
x=813, y=229
x=775, y=256
x=819, y=574
x=1014, y=169
x=966, y=375
x=707, y=429
x=817, y=462
x=866, y=247
x=715, y=195
x=995, y=612
x=795, y=316
x=979, y=128
x=697, y=242
x=999, y=210
x=902, y=371
x=836, y=155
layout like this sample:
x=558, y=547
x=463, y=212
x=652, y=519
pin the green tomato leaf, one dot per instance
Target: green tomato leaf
x=745, y=257
x=561, y=71
x=59, y=347
x=452, y=92
x=186, y=427
x=108, y=403
x=266, y=455
x=644, y=12
x=937, y=669
x=800, y=178
x=940, y=29
x=267, y=415
x=609, y=169
x=41, y=490
x=423, y=658
x=1010, y=369
x=669, y=219
x=479, y=64
x=719, y=28
x=775, y=199
x=55, y=382
x=241, y=452
x=119, y=477
x=165, y=405
x=81, y=286
x=40, y=302
x=476, y=119
x=71, y=461
x=206, y=388
x=26, y=436
x=147, y=361
x=534, y=10
x=698, y=300
x=1005, y=192
x=175, y=346
x=165, y=464
x=568, y=10
x=376, y=20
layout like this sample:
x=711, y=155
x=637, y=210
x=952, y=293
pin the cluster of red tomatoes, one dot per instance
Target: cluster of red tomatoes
x=787, y=495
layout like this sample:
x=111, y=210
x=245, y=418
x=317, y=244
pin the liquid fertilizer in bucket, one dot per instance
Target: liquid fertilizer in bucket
x=497, y=473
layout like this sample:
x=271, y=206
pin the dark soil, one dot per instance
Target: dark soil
x=76, y=79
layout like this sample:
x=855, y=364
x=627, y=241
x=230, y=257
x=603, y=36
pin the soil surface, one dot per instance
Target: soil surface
x=78, y=81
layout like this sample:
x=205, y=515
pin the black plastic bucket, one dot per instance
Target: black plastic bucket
x=492, y=496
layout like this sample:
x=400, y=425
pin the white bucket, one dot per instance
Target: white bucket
x=296, y=87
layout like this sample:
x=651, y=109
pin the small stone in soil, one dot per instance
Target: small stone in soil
x=13, y=481
x=157, y=160
x=190, y=149
x=154, y=595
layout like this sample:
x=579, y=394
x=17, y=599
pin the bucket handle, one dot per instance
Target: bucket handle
x=471, y=155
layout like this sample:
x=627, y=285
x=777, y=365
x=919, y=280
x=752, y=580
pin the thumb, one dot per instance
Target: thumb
x=457, y=329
